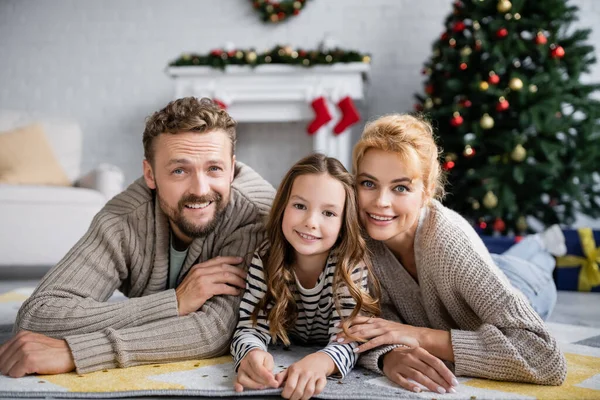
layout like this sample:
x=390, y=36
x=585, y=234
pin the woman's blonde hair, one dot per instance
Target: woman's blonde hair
x=278, y=255
x=409, y=136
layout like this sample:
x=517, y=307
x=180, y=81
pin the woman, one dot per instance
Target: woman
x=443, y=295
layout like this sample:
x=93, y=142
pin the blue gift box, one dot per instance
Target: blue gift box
x=566, y=277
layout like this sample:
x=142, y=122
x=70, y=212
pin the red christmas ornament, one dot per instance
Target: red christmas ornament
x=231, y=53
x=499, y=225
x=296, y=12
x=501, y=33
x=494, y=79
x=482, y=225
x=281, y=15
x=463, y=66
x=540, y=38
x=456, y=120
x=216, y=52
x=302, y=53
x=418, y=107
x=444, y=36
x=459, y=26
x=466, y=103
x=429, y=89
x=518, y=239
x=448, y=165
x=557, y=52
x=502, y=105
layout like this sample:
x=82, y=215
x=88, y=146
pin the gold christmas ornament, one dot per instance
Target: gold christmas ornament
x=452, y=42
x=437, y=101
x=294, y=54
x=533, y=88
x=251, y=57
x=428, y=103
x=466, y=51
x=306, y=61
x=483, y=86
x=451, y=157
x=515, y=84
x=268, y=59
x=519, y=153
x=475, y=205
x=504, y=6
x=490, y=200
x=522, y=224
x=486, y=122
x=328, y=58
x=476, y=25
x=366, y=59
x=297, y=5
x=517, y=16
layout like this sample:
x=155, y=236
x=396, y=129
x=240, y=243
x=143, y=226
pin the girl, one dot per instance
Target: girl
x=308, y=278
x=441, y=287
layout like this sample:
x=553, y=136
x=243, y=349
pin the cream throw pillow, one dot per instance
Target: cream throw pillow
x=26, y=158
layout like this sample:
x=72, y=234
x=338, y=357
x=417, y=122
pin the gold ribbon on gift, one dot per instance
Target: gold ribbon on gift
x=589, y=276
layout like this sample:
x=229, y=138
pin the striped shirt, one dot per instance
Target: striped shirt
x=317, y=315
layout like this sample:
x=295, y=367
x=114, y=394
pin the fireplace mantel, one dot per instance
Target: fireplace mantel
x=279, y=93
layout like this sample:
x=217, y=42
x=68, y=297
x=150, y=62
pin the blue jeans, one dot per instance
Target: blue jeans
x=529, y=268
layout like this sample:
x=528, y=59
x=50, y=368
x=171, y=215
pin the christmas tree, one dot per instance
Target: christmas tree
x=519, y=129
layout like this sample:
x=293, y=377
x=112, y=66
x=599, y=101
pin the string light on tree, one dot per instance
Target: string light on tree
x=533, y=88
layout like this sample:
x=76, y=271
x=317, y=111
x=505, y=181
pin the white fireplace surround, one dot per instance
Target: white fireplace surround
x=280, y=93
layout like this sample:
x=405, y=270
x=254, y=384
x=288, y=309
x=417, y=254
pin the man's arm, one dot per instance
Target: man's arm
x=71, y=298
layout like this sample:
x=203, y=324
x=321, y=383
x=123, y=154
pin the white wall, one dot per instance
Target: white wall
x=102, y=62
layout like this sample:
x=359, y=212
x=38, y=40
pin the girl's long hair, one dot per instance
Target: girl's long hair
x=278, y=255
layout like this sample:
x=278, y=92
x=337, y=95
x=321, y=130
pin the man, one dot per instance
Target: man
x=174, y=243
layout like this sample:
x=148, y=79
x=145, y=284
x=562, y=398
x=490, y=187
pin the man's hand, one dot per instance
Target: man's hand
x=211, y=278
x=402, y=364
x=255, y=371
x=30, y=353
x=307, y=377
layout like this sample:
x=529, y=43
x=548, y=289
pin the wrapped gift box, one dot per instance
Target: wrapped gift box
x=578, y=270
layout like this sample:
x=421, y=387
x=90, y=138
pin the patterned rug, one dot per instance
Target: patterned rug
x=213, y=378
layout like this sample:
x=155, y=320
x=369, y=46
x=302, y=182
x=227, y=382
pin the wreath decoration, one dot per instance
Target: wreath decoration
x=277, y=11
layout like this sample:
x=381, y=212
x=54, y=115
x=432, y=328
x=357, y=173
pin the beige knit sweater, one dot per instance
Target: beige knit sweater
x=495, y=332
x=127, y=248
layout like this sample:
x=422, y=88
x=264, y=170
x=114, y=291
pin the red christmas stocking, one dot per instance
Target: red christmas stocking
x=350, y=115
x=322, y=115
x=220, y=104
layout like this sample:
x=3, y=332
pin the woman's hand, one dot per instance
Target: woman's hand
x=255, y=371
x=307, y=377
x=380, y=332
x=417, y=364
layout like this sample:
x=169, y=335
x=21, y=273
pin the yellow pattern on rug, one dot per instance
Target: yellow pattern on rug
x=579, y=368
x=126, y=379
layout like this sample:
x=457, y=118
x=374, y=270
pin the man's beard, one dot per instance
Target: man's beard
x=187, y=227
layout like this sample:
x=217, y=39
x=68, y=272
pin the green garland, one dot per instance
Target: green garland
x=219, y=58
x=278, y=11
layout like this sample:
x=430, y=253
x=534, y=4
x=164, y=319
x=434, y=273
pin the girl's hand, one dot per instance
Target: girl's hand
x=380, y=332
x=402, y=364
x=255, y=372
x=307, y=377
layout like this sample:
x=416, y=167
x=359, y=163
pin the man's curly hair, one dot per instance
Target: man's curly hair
x=185, y=115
